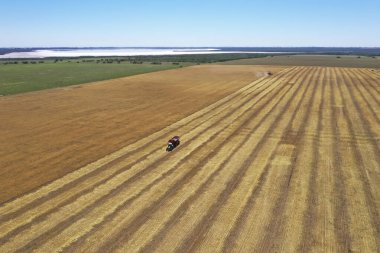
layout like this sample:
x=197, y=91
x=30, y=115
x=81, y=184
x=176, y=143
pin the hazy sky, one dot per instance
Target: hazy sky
x=189, y=23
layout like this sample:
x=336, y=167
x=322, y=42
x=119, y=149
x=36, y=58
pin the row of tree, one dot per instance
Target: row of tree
x=23, y=62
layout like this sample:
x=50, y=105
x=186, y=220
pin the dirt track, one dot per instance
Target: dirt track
x=287, y=163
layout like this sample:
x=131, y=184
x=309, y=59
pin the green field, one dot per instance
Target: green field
x=19, y=78
x=51, y=73
x=312, y=60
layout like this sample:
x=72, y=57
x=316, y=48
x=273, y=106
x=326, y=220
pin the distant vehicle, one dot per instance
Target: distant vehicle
x=173, y=143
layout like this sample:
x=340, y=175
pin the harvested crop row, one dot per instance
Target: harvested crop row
x=287, y=163
x=47, y=134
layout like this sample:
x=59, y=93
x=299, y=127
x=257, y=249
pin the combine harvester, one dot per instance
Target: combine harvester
x=173, y=143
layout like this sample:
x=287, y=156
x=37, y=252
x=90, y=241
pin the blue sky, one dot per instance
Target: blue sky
x=189, y=23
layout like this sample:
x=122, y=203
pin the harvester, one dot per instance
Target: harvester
x=173, y=143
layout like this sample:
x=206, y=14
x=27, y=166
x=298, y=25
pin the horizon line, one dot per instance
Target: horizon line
x=376, y=47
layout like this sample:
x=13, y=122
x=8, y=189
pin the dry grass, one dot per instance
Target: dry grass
x=287, y=163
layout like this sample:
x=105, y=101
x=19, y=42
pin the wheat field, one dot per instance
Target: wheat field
x=288, y=163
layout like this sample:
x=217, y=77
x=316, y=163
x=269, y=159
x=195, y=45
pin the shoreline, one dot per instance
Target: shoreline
x=40, y=54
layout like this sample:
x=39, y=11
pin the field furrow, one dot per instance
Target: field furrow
x=366, y=96
x=114, y=163
x=130, y=150
x=278, y=173
x=156, y=204
x=288, y=163
x=365, y=213
x=122, y=180
x=365, y=85
x=374, y=76
x=218, y=189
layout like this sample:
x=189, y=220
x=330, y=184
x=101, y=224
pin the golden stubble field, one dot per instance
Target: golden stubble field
x=287, y=163
x=45, y=135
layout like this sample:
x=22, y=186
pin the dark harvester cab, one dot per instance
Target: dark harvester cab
x=173, y=143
